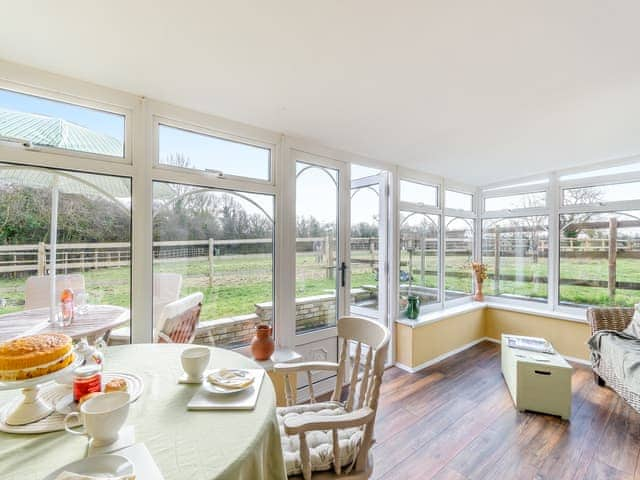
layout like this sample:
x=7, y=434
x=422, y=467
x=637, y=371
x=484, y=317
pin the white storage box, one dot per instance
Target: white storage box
x=538, y=382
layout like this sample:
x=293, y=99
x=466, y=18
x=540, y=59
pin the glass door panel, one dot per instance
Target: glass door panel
x=318, y=272
x=367, y=252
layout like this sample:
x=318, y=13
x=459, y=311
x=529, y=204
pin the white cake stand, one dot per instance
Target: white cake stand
x=33, y=408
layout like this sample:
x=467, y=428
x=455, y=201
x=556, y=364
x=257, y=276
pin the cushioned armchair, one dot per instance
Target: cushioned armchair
x=612, y=318
x=334, y=438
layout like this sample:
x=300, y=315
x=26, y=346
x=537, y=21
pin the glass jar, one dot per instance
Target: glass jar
x=86, y=379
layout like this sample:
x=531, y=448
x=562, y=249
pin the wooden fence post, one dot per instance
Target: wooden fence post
x=329, y=252
x=613, y=252
x=422, y=261
x=42, y=259
x=496, y=263
x=211, y=251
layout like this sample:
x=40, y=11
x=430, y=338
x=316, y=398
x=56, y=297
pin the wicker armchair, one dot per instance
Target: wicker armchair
x=612, y=318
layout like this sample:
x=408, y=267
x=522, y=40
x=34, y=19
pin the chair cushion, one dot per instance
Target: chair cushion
x=320, y=442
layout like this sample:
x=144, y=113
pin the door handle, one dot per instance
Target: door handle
x=343, y=270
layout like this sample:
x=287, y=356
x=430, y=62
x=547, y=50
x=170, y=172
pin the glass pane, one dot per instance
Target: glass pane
x=516, y=253
x=458, y=200
x=360, y=171
x=316, y=246
x=457, y=257
x=93, y=252
x=631, y=167
x=599, y=258
x=213, y=247
x=61, y=125
x=186, y=149
x=601, y=194
x=365, y=218
x=419, y=250
x=418, y=193
x=513, y=202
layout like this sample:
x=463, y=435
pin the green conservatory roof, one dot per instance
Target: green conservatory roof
x=56, y=132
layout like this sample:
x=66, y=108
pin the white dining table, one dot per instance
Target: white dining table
x=193, y=445
x=95, y=322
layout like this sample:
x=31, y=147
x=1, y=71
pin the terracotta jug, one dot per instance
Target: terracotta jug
x=262, y=345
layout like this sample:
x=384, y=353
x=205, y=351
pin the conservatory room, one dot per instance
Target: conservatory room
x=310, y=241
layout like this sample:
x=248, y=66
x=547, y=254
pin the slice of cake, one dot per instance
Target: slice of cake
x=34, y=356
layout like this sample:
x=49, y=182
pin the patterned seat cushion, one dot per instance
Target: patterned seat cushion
x=320, y=442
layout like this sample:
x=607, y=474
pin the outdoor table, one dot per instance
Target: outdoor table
x=197, y=445
x=98, y=320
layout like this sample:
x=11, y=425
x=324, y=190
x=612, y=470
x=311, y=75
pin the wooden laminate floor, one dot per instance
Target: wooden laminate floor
x=456, y=421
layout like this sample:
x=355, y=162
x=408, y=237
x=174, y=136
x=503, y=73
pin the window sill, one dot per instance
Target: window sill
x=437, y=316
x=542, y=312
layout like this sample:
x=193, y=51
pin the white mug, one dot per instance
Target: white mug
x=195, y=361
x=103, y=417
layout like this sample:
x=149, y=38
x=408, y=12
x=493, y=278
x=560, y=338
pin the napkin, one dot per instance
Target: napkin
x=80, y=476
x=231, y=378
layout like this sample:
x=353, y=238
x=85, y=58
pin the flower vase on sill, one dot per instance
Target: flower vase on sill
x=480, y=275
x=413, y=307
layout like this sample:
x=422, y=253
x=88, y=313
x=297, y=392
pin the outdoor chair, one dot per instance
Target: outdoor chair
x=37, y=293
x=179, y=320
x=166, y=289
x=334, y=438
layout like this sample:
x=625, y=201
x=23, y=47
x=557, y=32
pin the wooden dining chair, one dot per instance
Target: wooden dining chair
x=37, y=293
x=333, y=439
x=179, y=320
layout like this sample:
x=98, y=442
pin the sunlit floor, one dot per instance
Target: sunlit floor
x=455, y=420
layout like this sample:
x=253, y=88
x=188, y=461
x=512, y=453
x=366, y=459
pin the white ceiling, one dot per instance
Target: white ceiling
x=475, y=91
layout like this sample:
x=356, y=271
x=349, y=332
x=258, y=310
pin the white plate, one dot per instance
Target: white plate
x=210, y=387
x=135, y=386
x=106, y=466
x=213, y=388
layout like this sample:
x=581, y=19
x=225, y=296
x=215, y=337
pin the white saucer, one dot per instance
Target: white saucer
x=98, y=465
x=186, y=379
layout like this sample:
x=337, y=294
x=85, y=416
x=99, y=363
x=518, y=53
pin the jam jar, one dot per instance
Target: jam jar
x=86, y=379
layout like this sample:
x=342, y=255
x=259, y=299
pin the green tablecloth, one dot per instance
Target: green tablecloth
x=243, y=445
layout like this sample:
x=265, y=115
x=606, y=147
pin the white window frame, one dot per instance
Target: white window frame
x=126, y=111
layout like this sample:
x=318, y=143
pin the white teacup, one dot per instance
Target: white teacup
x=195, y=361
x=103, y=417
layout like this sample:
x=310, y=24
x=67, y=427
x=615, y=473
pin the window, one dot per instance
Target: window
x=601, y=194
x=457, y=257
x=216, y=245
x=93, y=250
x=514, y=202
x=458, y=200
x=516, y=252
x=419, y=258
x=418, y=193
x=49, y=123
x=599, y=258
x=187, y=149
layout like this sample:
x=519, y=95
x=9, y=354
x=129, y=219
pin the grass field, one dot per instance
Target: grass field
x=244, y=280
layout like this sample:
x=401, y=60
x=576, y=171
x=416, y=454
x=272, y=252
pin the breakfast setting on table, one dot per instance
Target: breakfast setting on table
x=143, y=411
